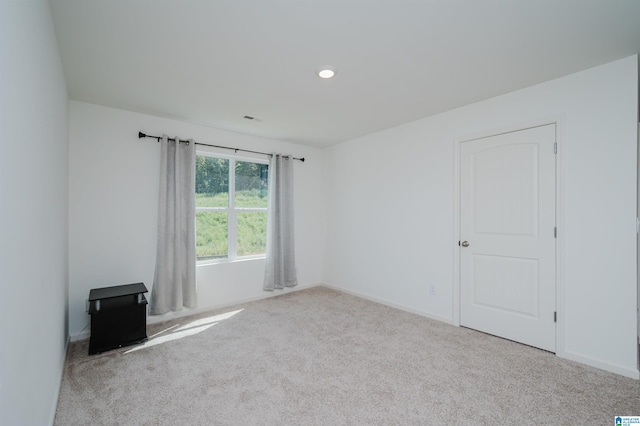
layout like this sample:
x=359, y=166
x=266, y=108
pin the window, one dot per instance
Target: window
x=230, y=223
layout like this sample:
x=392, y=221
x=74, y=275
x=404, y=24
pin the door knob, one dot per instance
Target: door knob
x=465, y=244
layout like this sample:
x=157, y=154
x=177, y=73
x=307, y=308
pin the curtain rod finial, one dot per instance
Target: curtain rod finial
x=141, y=135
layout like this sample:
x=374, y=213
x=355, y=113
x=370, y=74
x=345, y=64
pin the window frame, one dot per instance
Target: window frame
x=231, y=210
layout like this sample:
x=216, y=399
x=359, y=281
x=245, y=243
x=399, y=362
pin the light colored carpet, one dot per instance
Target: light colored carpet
x=322, y=357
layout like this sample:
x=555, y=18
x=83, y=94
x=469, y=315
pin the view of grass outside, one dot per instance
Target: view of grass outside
x=211, y=235
x=213, y=206
x=252, y=233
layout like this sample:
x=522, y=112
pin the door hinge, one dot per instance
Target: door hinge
x=555, y=147
x=555, y=232
x=555, y=316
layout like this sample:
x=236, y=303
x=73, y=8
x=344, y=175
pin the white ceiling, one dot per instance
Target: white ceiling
x=213, y=62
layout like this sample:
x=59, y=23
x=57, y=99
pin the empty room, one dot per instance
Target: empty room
x=319, y=212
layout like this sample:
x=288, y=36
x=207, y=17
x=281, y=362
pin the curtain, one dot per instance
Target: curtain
x=280, y=270
x=174, y=282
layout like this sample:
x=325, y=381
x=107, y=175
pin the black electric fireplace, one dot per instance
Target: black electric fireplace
x=118, y=317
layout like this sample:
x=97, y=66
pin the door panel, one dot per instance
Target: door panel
x=514, y=212
x=507, y=277
x=508, y=284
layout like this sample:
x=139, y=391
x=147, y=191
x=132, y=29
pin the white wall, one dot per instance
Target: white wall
x=390, y=230
x=33, y=214
x=113, y=208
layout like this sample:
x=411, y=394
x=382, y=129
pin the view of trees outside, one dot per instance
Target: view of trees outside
x=213, y=211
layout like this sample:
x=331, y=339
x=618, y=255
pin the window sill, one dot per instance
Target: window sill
x=228, y=261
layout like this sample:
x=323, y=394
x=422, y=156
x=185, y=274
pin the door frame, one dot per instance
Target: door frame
x=560, y=238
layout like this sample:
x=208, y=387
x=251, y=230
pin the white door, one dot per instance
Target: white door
x=507, y=229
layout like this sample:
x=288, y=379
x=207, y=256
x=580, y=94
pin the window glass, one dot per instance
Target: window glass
x=230, y=225
x=252, y=233
x=251, y=184
x=211, y=234
x=212, y=182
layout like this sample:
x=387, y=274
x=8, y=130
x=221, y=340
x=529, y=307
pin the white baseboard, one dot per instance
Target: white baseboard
x=391, y=304
x=80, y=336
x=154, y=319
x=623, y=371
x=616, y=369
x=602, y=365
x=52, y=416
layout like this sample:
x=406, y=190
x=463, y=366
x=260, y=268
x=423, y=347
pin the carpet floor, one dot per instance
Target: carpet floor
x=322, y=357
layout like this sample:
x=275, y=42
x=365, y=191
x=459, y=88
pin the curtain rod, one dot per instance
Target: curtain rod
x=142, y=135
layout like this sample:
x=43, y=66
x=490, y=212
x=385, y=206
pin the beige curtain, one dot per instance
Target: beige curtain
x=280, y=270
x=174, y=283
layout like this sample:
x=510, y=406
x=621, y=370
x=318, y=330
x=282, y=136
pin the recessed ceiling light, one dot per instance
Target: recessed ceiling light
x=327, y=71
